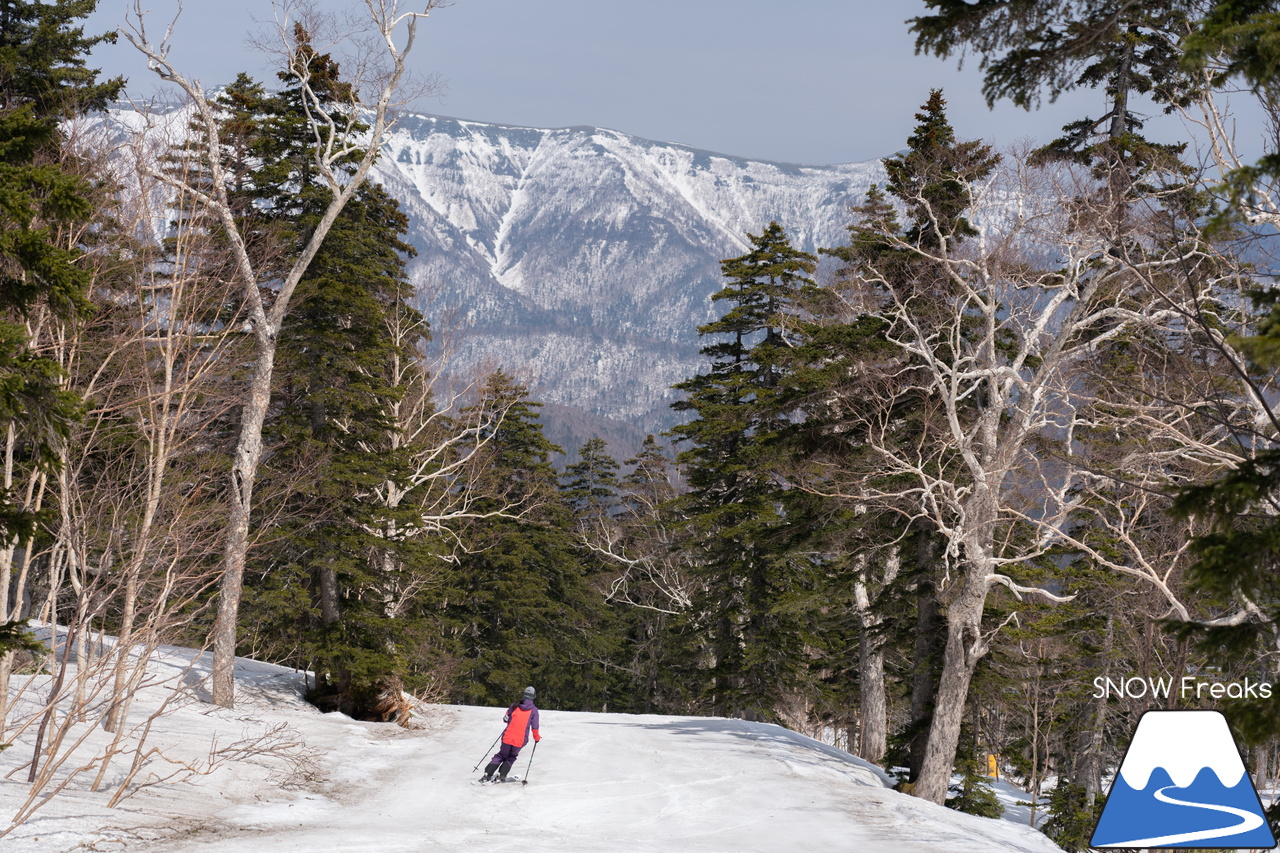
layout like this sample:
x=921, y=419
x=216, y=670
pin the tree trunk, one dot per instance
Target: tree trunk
x=1093, y=760
x=331, y=147
x=873, y=740
x=874, y=736
x=328, y=595
x=924, y=678
x=963, y=651
x=123, y=642
x=243, y=472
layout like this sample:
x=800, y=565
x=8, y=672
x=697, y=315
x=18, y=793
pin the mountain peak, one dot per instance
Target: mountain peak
x=585, y=258
x=1182, y=743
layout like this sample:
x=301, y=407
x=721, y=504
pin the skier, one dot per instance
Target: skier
x=521, y=719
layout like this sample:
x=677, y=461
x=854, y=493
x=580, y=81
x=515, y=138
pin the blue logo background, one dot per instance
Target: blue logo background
x=1204, y=813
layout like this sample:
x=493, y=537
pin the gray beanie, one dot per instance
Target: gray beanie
x=529, y=693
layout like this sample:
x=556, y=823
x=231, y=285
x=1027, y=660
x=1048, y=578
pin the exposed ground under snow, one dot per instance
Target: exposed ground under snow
x=599, y=782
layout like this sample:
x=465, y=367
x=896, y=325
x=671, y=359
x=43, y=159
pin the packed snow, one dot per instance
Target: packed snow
x=276, y=775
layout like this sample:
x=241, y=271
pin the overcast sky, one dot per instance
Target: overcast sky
x=806, y=81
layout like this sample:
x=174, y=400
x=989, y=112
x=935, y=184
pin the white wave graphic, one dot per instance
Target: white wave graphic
x=1249, y=821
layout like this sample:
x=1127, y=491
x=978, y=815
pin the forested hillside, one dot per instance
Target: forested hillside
x=944, y=488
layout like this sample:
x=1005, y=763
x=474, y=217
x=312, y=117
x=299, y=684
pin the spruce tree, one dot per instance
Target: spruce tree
x=1237, y=558
x=653, y=590
x=324, y=597
x=735, y=509
x=521, y=607
x=43, y=197
x=1236, y=40
x=931, y=179
x=591, y=483
x=1033, y=49
x=862, y=396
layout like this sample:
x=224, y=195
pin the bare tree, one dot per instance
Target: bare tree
x=139, y=517
x=337, y=138
x=993, y=374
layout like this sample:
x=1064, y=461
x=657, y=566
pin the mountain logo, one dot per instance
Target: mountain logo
x=1182, y=784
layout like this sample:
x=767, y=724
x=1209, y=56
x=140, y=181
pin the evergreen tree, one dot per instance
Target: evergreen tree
x=931, y=179
x=654, y=587
x=521, y=607
x=590, y=484
x=866, y=398
x=1031, y=49
x=42, y=59
x=1237, y=557
x=43, y=197
x=735, y=509
x=331, y=434
x=1237, y=39
x=1072, y=818
x=844, y=368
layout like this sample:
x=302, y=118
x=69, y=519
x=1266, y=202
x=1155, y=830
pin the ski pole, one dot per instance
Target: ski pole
x=529, y=766
x=486, y=754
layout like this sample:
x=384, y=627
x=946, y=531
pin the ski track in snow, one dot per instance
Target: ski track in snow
x=610, y=782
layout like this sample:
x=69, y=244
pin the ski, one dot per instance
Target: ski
x=496, y=781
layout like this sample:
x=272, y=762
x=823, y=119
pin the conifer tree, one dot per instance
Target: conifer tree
x=520, y=607
x=331, y=420
x=590, y=484
x=1033, y=49
x=844, y=368
x=654, y=582
x=735, y=508
x=1175, y=53
x=1237, y=556
x=1236, y=40
x=932, y=179
x=1238, y=552
x=43, y=81
x=342, y=162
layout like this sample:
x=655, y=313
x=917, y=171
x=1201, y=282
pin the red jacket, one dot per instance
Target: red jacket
x=521, y=718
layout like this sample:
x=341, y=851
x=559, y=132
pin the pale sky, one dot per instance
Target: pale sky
x=806, y=81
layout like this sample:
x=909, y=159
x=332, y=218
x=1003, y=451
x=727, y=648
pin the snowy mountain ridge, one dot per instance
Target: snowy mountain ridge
x=583, y=259
x=579, y=259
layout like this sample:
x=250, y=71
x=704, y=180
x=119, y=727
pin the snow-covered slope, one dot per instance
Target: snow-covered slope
x=598, y=782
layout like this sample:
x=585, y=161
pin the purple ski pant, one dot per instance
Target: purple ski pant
x=507, y=753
